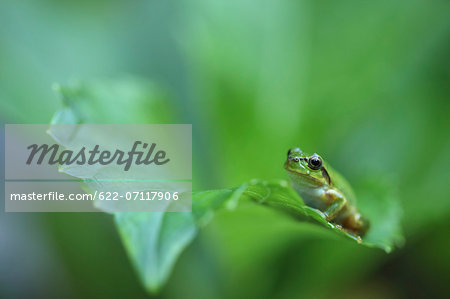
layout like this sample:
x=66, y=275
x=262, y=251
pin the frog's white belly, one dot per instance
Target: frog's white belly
x=313, y=197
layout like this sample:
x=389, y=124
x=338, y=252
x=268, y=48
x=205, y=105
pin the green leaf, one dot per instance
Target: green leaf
x=154, y=241
x=379, y=203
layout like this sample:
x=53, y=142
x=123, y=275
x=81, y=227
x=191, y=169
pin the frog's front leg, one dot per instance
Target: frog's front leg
x=338, y=202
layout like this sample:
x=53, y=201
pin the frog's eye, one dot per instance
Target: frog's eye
x=315, y=162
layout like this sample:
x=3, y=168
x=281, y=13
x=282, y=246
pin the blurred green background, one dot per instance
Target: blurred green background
x=363, y=83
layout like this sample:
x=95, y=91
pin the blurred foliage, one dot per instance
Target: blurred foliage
x=155, y=240
x=363, y=83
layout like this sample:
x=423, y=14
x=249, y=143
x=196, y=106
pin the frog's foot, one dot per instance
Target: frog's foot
x=356, y=224
x=350, y=232
x=358, y=239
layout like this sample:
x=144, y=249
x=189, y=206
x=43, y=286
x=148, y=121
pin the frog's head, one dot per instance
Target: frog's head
x=306, y=169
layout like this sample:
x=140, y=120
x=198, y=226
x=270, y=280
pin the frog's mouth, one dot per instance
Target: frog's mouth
x=305, y=175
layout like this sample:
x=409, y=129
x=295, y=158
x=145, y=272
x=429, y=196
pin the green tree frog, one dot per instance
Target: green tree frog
x=323, y=188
